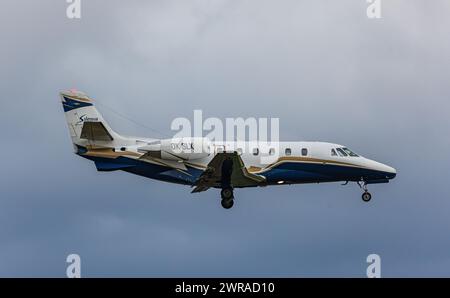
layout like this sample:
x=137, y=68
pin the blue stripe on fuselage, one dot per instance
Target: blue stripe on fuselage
x=302, y=172
x=146, y=169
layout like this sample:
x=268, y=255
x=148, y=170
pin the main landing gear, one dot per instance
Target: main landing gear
x=366, y=196
x=227, y=197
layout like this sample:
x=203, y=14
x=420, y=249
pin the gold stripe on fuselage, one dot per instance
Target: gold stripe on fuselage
x=253, y=169
x=109, y=153
x=287, y=159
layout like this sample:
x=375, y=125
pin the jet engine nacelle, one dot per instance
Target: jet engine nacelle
x=179, y=149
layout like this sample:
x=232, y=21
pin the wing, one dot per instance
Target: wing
x=95, y=131
x=168, y=163
x=226, y=170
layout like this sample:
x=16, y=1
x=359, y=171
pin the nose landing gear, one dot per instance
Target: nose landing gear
x=366, y=196
x=227, y=197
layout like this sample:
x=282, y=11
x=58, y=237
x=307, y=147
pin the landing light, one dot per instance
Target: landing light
x=280, y=182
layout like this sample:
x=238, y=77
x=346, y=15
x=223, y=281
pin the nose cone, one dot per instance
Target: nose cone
x=391, y=172
x=385, y=170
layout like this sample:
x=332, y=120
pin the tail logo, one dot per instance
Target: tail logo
x=84, y=118
x=71, y=104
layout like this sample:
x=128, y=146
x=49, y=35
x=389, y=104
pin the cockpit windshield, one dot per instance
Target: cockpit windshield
x=343, y=152
x=350, y=152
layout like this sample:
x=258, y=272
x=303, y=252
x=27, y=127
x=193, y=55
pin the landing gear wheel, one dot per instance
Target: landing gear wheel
x=227, y=203
x=366, y=196
x=227, y=194
x=227, y=197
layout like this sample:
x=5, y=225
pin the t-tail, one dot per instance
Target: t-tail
x=86, y=125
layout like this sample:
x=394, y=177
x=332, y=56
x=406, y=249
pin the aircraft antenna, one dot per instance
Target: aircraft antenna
x=164, y=135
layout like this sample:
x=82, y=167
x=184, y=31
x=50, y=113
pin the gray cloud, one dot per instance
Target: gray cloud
x=329, y=73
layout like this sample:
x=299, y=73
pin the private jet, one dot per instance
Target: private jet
x=203, y=164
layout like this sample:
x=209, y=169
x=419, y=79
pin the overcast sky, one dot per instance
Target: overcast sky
x=329, y=73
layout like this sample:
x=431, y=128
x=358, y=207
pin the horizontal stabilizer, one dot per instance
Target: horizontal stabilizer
x=95, y=131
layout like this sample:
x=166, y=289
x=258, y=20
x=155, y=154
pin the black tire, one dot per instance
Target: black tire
x=227, y=193
x=366, y=196
x=227, y=203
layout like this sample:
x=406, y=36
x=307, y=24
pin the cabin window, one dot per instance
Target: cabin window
x=350, y=152
x=271, y=151
x=304, y=151
x=341, y=152
x=255, y=151
x=288, y=151
x=333, y=152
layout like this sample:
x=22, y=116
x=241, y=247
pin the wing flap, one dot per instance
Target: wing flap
x=168, y=163
x=226, y=169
